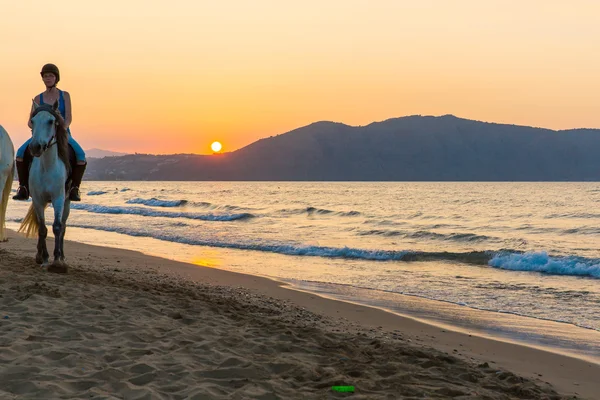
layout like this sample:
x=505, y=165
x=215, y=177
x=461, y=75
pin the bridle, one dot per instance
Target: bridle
x=53, y=112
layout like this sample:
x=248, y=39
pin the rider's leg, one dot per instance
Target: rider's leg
x=78, y=170
x=23, y=162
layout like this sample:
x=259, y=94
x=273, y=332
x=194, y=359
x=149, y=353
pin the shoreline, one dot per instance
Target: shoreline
x=567, y=375
x=467, y=320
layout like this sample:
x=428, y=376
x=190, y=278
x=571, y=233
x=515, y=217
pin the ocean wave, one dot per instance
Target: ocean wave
x=475, y=257
x=439, y=226
x=582, y=230
x=321, y=211
x=279, y=248
x=145, y=212
x=542, y=262
x=382, y=232
x=385, y=222
x=534, y=289
x=422, y=216
x=206, y=204
x=229, y=207
x=574, y=215
x=96, y=193
x=456, y=237
x=153, y=202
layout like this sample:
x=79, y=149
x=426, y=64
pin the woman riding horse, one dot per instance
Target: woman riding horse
x=49, y=171
x=50, y=77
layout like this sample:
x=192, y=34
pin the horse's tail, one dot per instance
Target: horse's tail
x=30, y=224
x=5, y=196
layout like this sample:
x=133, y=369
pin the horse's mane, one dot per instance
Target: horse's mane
x=62, y=137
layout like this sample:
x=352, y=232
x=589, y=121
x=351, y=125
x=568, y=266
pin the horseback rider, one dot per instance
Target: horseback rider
x=50, y=76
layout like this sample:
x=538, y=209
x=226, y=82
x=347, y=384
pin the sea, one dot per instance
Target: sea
x=517, y=262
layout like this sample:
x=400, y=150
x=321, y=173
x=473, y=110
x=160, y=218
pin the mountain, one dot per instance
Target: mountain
x=414, y=148
x=99, y=153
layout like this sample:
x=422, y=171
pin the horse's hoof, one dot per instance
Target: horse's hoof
x=58, y=267
x=40, y=260
x=58, y=262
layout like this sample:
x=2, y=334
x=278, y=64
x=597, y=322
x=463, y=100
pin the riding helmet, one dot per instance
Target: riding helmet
x=52, y=69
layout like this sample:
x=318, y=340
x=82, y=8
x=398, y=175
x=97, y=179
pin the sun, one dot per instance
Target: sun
x=216, y=147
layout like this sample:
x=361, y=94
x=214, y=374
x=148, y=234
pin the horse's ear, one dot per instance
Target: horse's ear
x=55, y=105
x=35, y=105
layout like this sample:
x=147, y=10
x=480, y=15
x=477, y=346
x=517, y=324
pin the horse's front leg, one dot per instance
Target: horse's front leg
x=57, y=228
x=42, y=251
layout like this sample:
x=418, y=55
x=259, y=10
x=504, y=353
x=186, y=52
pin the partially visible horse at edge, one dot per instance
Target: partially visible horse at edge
x=47, y=179
x=7, y=171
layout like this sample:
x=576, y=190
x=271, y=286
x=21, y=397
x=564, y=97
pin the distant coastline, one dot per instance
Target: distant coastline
x=414, y=148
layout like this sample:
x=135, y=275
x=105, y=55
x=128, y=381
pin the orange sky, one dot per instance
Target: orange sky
x=157, y=76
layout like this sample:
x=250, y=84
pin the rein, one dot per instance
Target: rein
x=52, y=141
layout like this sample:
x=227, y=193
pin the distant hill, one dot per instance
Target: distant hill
x=99, y=153
x=415, y=148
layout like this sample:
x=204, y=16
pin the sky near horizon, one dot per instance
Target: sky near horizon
x=154, y=76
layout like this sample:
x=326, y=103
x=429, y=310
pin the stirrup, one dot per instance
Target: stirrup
x=74, y=194
x=22, y=194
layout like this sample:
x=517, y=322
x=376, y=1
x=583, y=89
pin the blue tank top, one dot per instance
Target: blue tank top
x=61, y=106
x=61, y=103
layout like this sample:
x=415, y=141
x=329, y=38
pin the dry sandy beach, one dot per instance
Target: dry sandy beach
x=124, y=325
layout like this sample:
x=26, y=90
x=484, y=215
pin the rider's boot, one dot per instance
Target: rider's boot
x=23, y=172
x=76, y=177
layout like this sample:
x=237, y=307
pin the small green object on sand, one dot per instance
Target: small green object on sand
x=343, y=389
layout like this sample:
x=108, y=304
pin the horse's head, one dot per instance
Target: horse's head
x=44, y=122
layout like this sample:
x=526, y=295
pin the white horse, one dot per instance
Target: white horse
x=7, y=171
x=47, y=177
